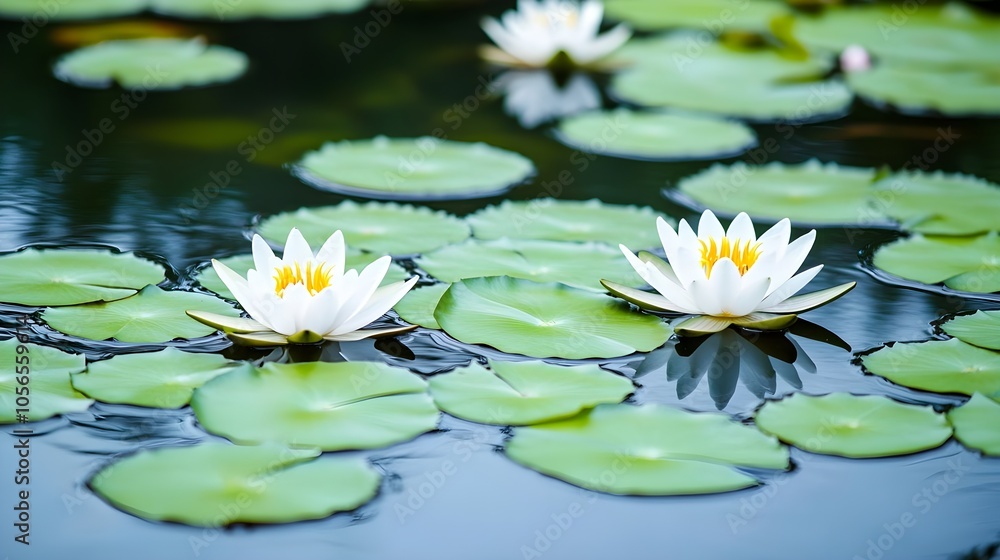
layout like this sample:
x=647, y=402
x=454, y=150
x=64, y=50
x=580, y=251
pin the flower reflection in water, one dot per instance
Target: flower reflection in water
x=535, y=97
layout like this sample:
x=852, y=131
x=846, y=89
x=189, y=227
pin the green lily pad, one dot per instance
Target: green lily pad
x=79, y=9
x=581, y=265
x=163, y=379
x=521, y=393
x=378, y=227
x=977, y=424
x=425, y=168
x=853, y=426
x=46, y=391
x=569, y=220
x=917, y=90
x=151, y=64
x=215, y=484
x=546, y=320
x=655, y=135
x=151, y=316
x=209, y=279
x=683, y=71
x=244, y=9
x=970, y=264
x=811, y=192
x=332, y=406
x=982, y=329
x=942, y=366
x=417, y=306
x=647, y=450
x=51, y=277
x=718, y=15
x=940, y=204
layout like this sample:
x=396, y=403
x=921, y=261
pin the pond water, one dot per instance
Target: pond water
x=451, y=494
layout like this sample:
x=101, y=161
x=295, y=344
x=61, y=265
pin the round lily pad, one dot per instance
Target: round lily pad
x=417, y=306
x=521, y=393
x=569, y=220
x=655, y=135
x=977, y=424
x=942, y=366
x=581, y=265
x=215, y=484
x=375, y=226
x=243, y=9
x=853, y=426
x=970, y=264
x=546, y=320
x=35, y=382
x=940, y=204
x=151, y=316
x=425, y=168
x=209, y=278
x=812, y=192
x=982, y=329
x=52, y=277
x=67, y=10
x=721, y=15
x=918, y=90
x=151, y=64
x=163, y=379
x=648, y=450
x=332, y=406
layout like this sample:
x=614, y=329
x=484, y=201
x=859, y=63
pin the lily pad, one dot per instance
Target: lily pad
x=244, y=9
x=546, y=320
x=569, y=220
x=942, y=366
x=982, y=329
x=209, y=279
x=939, y=204
x=332, y=406
x=719, y=15
x=853, y=426
x=46, y=390
x=151, y=64
x=812, y=192
x=918, y=90
x=425, y=168
x=417, y=306
x=375, y=226
x=151, y=316
x=581, y=265
x=977, y=424
x=79, y=9
x=647, y=450
x=215, y=484
x=655, y=135
x=52, y=277
x=521, y=393
x=163, y=379
x=970, y=264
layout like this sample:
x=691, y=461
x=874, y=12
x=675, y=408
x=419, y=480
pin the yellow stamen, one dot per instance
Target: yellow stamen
x=743, y=255
x=315, y=277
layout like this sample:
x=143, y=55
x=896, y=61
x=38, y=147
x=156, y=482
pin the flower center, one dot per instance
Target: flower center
x=315, y=277
x=743, y=255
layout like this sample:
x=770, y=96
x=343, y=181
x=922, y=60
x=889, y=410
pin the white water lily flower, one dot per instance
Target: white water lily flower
x=535, y=33
x=855, y=59
x=306, y=298
x=726, y=277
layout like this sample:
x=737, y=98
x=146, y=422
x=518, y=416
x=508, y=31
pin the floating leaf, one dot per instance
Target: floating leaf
x=151, y=64
x=67, y=10
x=719, y=15
x=417, y=306
x=569, y=220
x=53, y=277
x=655, y=135
x=425, y=168
x=971, y=264
x=574, y=264
x=982, y=329
x=332, y=406
x=163, y=379
x=977, y=424
x=151, y=316
x=853, y=426
x=46, y=390
x=942, y=366
x=377, y=227
x=520, y=393
x=916, y=90
x=648, y=450
x=940, y=204
x=815, y=193
x=243, y=9
x=215, y=484
x=546, y=320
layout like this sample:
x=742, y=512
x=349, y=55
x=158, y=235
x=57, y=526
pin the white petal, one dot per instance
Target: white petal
x=322, y=312
x=727, y=285
x=381, y=302
x=742, y=229
x=776, y=238
x=789, y=262
x=709, y=227
x=241, y=291
x=751, y=294
x=296, y=249
x=333, y=252
x=600, y=47
x=368, y=281
x=789, y=288
x=263, y=257
x=591, y=14
x=666, y=287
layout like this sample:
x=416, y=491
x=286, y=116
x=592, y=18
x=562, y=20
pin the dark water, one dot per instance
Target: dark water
x=143, y=188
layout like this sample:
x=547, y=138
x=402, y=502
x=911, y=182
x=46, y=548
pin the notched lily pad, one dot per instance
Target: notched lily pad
x=940, y=204
x=942, y=366
x=977, y=424
x=418, y=305
x=653, y=15
x=69, y=10
x=970, y=264
x=919, y=90
x=35, y=382
x=227, y=10
x=982, y=329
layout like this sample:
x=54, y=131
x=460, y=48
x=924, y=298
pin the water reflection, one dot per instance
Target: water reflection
x=535, y=97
